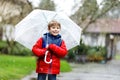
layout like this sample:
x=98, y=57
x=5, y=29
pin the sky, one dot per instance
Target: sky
x=66, y=6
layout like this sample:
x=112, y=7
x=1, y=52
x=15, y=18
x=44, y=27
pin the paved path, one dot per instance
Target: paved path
x=89, y=71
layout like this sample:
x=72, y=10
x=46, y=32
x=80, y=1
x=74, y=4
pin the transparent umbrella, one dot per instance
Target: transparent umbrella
x=33, y=26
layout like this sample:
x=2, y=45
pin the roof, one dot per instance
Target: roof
x=104, y=26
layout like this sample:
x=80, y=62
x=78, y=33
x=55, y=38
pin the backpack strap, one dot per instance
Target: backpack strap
x=43, y=42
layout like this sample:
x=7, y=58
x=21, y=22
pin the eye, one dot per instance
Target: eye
x=53, y=27
x=58, y=28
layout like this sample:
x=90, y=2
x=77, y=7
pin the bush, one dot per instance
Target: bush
x=3, y=47
x=82, y=49
x=96, y=53
x=70, y=55
x=17, y=49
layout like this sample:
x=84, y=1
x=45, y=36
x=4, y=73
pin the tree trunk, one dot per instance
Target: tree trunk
x=1, y=33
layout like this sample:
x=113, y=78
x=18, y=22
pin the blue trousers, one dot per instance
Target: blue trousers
x=43, y=76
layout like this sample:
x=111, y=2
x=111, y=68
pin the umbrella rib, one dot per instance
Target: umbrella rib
x=45, y=17
x=52, y=17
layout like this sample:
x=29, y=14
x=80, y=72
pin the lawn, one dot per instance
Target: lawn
x=117, y=57
x=16, y=67
x=65, y=67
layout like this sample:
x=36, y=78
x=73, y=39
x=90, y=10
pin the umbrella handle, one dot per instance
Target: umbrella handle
x=45, y=59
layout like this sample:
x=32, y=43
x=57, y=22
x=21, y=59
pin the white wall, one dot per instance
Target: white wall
x=94, y=39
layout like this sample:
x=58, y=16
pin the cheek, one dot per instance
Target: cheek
x=59, y=29
x=50, y=30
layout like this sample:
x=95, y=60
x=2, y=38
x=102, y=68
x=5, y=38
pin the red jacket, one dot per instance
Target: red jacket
x=57, y=53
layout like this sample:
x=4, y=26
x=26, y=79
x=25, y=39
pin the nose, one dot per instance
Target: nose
x=56, y=29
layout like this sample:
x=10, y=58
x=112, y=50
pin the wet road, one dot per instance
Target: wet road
x=89, y=71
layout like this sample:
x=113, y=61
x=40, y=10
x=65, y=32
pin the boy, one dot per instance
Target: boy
x=56, y=48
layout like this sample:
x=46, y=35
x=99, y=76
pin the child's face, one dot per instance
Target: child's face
x=54, y=30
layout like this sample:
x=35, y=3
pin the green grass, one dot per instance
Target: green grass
x=117, y=56
x=65, y=67
x=16, y=67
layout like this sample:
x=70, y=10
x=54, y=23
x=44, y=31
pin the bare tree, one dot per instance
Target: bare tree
x=11, y=12
x=89, y=12
x=47, y=5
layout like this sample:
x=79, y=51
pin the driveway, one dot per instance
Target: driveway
x=88, y=71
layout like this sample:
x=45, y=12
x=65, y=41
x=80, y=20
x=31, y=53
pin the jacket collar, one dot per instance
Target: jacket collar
x=50, y=35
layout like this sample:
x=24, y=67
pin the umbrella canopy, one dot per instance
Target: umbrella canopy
x=33, y=26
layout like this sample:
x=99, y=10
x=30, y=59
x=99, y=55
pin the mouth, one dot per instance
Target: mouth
x=55, y=32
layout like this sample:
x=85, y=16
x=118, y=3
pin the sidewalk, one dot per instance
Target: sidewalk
x=89, y=71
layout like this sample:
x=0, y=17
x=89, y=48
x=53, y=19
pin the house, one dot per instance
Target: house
x=104, y=32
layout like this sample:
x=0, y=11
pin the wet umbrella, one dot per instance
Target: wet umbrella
x=33, y=26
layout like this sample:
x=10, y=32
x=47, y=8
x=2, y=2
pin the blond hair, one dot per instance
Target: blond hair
x=53, y=23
